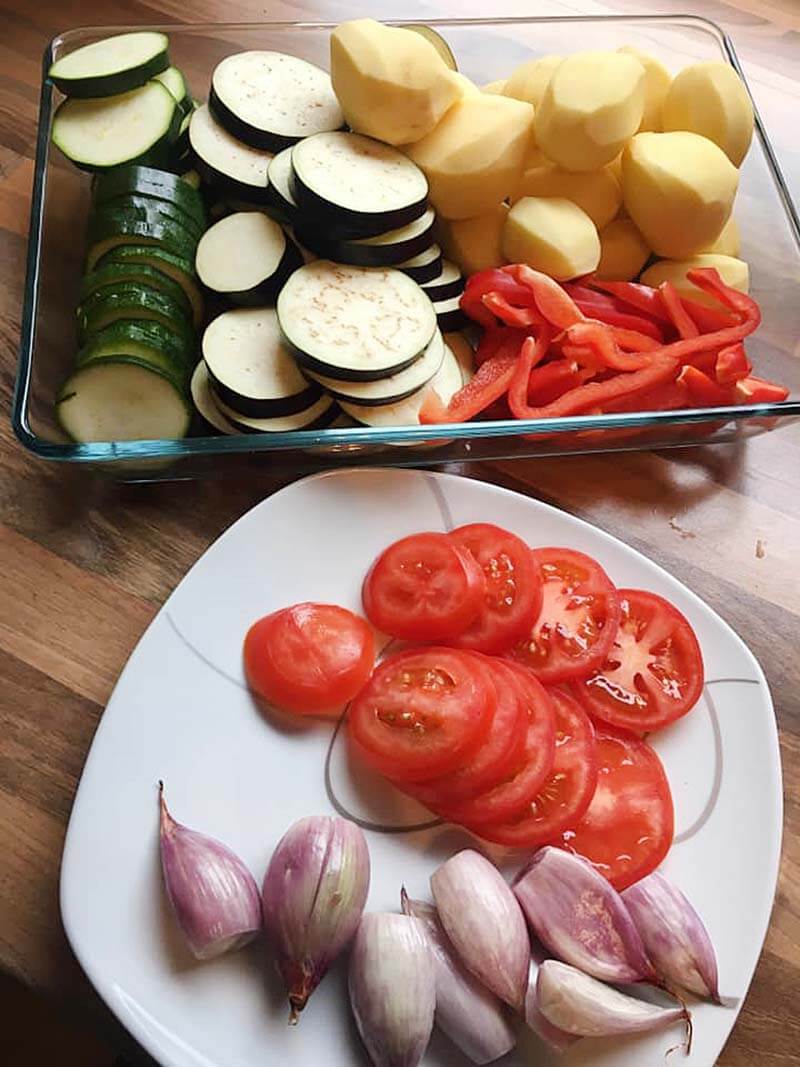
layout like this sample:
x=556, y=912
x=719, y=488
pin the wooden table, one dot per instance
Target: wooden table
x=86, y=564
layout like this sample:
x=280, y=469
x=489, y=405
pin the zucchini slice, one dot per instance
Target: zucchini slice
x=271, y=100
x=132, y=301
x=115, y=274
x=112, y=228
x=251, y=370
x=423, y=267
x=279, y=189
x=122, y=399
x=384, y=250
x=174, y=80
x=136, y=126
x=353, y=323
x=175, y=266
x=447, y=381
x=320, y=414
x=449, y=316
x=356, y=186
x=246, y=257
x=148, y=342
x=203, y=400
x=233, y=168
x=112, y=66
x=449, y=282
x=389, y=390
x=160, y=185
x=146, y=209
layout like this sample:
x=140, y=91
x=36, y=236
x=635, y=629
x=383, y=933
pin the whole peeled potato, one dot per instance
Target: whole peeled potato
x=623, y=251
x=530, y=80
x=710, y=99
x=728, y=243
x=657, y=80
x=597, y=192
x=477, y=243
x=734, y=272
x=679, y=189
x=593, y=104
x=552, y=235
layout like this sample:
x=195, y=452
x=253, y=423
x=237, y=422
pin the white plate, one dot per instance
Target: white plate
x=180, y=712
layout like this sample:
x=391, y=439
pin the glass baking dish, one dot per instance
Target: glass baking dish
x=486, y=49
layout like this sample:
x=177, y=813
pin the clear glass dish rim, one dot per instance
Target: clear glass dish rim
x=107, y=451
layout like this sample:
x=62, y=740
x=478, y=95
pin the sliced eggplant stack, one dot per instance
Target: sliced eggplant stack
x=230, y=167
x=389, y=390
x=449, y=282
x=316, y=417
x=250, y=370
x=383, y=250
x=270, y=100
x=279, y=192
x=423, y=267
x=246, y=257
x=205, y=403
x=115, y=65
x=354, y=186
x=354, y=323
x=449, y=315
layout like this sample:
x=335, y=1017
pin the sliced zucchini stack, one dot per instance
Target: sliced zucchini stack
x=270, y=100
x=140, y=306
x=125, y=104
x=249, y=381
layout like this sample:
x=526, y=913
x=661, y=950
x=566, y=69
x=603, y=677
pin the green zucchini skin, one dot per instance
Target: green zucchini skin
x=148, y=209
x=132, y=301
x=179, y=268
x=116, y=274
x=151, y=182
x=111, y=84
x=116, y=227
x=142, y=340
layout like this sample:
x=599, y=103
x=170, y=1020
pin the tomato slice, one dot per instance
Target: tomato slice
x=566, y=794
x=423, y=712
x=502, y=749
x=513, y=593
x=524, y=781
x=654, y=672
x=628, y=827
x=423, y=588
x=310, y=658
x=577, y=621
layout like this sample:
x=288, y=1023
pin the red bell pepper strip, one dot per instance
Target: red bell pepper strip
x=642, y=297
x=704, y=391
x=604, y=308
x=707, y=319
x=551, y=380
x=754, y=390
x=681, y=319
x=661, y=368
x=731, y=364
x=665, y=397
x=634, y=340
x=556, y=305
x=494, y=338
x=510, y=315
x=601, y=340
x=489, y=383
x=533, y=351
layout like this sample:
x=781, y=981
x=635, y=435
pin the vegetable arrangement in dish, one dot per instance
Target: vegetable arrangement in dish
x=336, y=199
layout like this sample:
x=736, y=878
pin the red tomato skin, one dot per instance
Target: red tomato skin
x=620, y=850
x=502, y=749
x=644, y=713
x=557, y=668
x=519, y=787
x=569, y=788
x=513, y=588
x=423, y=713
x=399, y=588
x=290, y=682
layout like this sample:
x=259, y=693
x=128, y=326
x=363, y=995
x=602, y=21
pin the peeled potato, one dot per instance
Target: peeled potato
x=710, y=99
x=734, y=272
x=623, y=252
x=678, y=188
x=593, y=104
x=473, y=158
x=657, y=80
x=598, y=192
x=615, y=167
x=468, y=88
x=529, y=81
x=392, y=84
x=728, y=243
x=552, y=235
x=496, y=87
x=475, y=244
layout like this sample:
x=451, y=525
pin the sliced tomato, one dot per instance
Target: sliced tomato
x=513, y=588
x=310, y=658
x=628, y=827
x=654, y=672
x=566, y=794
x=524, y=781
x=577, y=621
x=424, y=588
x=502, y=749
x=423, y=713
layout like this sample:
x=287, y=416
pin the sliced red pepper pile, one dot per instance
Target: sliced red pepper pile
x=549, y=350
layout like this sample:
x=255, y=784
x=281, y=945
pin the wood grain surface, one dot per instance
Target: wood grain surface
x=84, y=564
